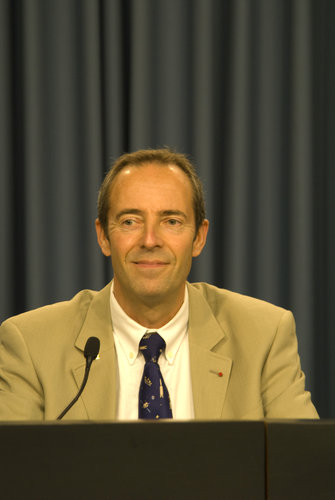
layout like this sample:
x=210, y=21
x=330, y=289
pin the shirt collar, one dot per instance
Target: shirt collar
x=129, y=332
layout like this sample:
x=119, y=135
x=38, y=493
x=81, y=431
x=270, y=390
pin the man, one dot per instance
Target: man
x=221, y=355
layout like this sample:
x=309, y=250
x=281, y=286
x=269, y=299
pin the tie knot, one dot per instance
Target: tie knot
x=151, y=346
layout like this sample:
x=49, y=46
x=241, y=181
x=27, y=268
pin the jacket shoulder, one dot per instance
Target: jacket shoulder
x=232, y=305
x=73, y=310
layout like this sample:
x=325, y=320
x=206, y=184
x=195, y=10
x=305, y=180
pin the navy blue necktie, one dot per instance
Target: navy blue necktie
x=154, y=400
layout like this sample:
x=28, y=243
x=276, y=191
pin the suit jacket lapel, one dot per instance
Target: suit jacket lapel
x=99, y=396
x=210, y=371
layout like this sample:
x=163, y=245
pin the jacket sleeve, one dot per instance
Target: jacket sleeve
x=21, y=394
x=283, y=382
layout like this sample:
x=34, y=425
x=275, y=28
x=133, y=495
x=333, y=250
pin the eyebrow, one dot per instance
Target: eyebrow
x=133, y=211
x=164, y=213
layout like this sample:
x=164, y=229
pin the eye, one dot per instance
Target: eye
x=172, y=222
x=129, y=223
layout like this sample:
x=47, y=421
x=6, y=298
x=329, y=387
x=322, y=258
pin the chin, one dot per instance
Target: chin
x=153, y=291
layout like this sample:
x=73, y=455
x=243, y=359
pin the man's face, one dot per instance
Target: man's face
x=151, y=234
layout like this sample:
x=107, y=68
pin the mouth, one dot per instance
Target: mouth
x=150, y=264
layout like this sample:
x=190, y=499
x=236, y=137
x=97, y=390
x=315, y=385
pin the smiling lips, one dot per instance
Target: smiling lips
x=150, y=264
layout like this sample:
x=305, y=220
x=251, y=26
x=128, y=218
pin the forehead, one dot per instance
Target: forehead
x=155, y=177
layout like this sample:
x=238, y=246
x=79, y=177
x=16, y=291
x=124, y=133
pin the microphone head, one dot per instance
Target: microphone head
x=92, y=347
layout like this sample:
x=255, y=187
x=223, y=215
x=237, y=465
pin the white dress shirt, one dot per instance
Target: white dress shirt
x=174, y=362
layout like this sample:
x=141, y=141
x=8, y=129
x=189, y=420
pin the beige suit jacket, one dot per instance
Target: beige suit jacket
x=244, y=359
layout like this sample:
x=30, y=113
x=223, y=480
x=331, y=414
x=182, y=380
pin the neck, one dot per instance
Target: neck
x=150, y=312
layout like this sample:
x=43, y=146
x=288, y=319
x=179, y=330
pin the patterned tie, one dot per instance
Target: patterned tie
x=154, y=400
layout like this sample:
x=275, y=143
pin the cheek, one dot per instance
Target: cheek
x=184, y=249
x=120, y=245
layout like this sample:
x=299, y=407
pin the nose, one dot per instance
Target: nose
x=151, y=237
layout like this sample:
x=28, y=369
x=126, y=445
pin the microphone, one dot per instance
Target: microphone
x=91, y=351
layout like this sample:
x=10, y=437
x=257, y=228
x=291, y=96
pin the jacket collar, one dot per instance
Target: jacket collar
x=210, y=371
x=99, y=396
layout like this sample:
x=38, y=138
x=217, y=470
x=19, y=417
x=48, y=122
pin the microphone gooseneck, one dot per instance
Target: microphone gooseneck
x=91, y=351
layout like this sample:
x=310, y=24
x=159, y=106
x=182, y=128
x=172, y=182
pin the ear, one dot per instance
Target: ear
x=102, y=239
x=200, y=239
